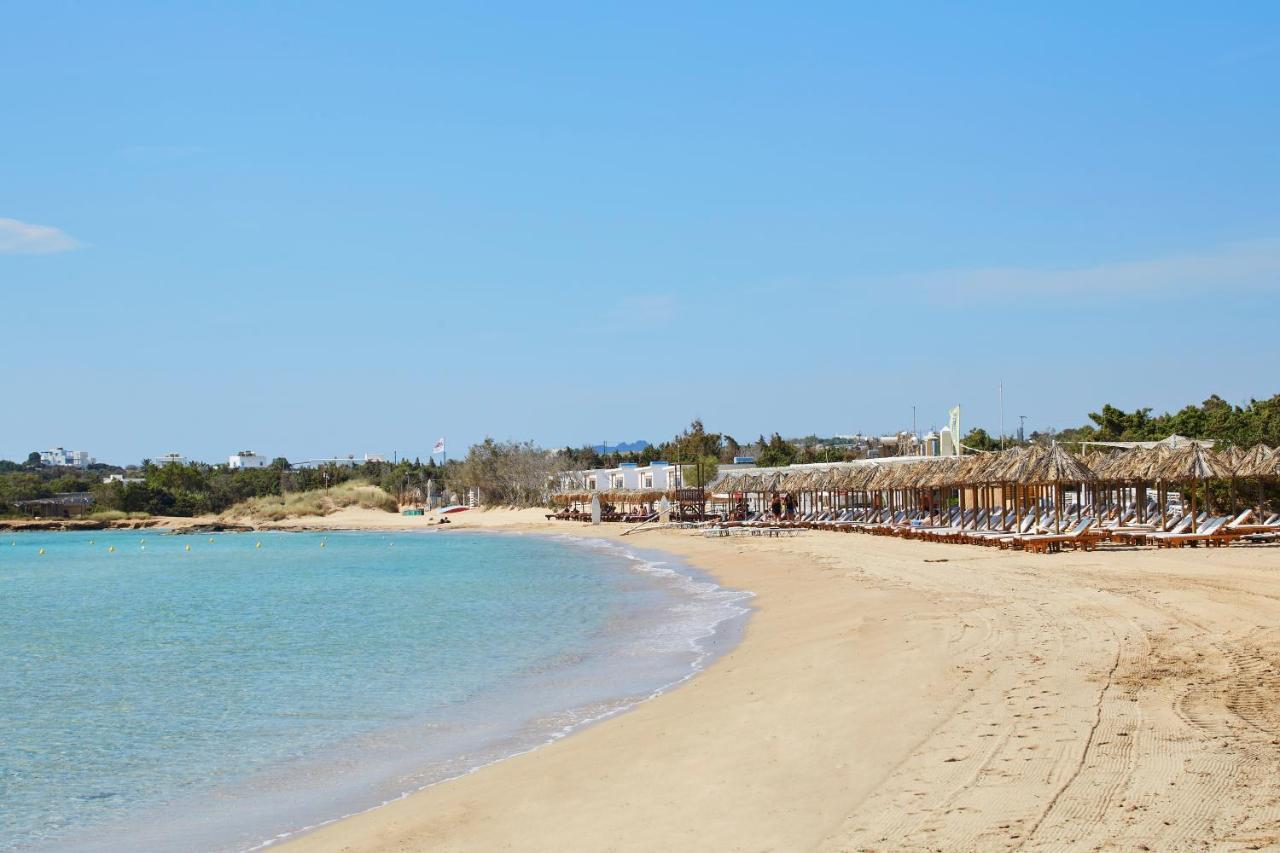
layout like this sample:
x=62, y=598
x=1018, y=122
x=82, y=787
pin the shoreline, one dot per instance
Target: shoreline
x=722, y=636
x=699, y=619
x=891, y=694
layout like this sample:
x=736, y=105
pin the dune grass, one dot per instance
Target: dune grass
x=315, y=502
x=115, y=515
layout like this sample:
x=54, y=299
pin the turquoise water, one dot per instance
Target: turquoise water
x=155, y=697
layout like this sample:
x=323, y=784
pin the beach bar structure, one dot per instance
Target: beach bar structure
x=61, y=505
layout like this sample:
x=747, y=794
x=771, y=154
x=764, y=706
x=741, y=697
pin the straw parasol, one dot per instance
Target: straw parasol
x=1189, y=463
x=1261, y=463
x=1186, y=463
x=1056, y=465
x=1051, y=468
x=1229, y=461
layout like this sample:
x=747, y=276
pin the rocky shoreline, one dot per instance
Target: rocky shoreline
x=17, y=525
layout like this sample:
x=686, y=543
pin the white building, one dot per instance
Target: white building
x=247, y=459
x=169, y=459
x=122, y=479
x=58, y=457
x=337, y=461
x=656, y=476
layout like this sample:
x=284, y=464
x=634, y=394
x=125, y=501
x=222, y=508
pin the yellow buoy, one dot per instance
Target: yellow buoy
x=321, y=544
x=210, y=538
x=188, y=547
x=258, y=545
x=41, y=552
x=90, y=541
x=111, y=548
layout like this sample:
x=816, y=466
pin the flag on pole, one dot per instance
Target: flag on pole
x=439, y=448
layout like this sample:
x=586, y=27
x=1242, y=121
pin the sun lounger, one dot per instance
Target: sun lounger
x=993, y=537
x=1208, y=531
x=1137, y=534
x=1050, y=542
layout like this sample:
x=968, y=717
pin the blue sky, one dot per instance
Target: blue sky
x=317, y=228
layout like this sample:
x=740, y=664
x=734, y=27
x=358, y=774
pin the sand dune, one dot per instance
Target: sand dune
x=885, y=701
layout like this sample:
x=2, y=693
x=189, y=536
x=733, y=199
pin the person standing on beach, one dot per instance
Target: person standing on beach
x=776, y=507
x=791, y=506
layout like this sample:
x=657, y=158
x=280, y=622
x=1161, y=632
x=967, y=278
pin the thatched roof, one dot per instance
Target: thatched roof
x=610, y=496
x=1258, y=461
x=1030, y=465
x=1186, y=463
x=1055, y=465
x=1105, y=464
x=1228, y=460
x=60, y=499
x=1133, y=465
x=1012, y=465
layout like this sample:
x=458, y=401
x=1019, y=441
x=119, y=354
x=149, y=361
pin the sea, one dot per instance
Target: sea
x=223, y=692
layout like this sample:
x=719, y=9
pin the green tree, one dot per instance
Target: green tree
x=778, y=451
x=978, y=439
x=510, y=473
x=702, y=471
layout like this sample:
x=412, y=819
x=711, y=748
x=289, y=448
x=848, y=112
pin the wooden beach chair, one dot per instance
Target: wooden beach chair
x=1137, y=534
x=1206, y=534
x=1048, y=543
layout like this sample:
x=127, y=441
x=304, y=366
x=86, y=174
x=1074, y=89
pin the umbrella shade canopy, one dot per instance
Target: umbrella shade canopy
x=1056, y=465
x=1187, y=463
x=727, y=483
x=613, y=495
x=1259, y=461
x=1228, y=460
x=942, y=473
x=1013, y=465
x=1105, y=466
x=1137, y=464
x=1094, y=458
x=972, y=469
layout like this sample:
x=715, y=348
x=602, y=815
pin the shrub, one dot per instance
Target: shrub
x=314, y=502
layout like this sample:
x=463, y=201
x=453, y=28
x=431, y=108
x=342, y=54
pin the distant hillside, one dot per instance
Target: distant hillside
x=624, y=447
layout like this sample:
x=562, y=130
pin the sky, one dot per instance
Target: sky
x=313, y=229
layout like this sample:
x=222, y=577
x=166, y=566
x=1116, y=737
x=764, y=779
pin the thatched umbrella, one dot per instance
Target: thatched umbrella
x=855, y=479
x=1052, y=468
x=1105, y=465
x=1261, y=463
x=1056, y=465
x=1009, y=469
x=970, y=473
x=1189, y=463
x=983, y=472
x=941, y=477
x=1148, y=467
x=1228, y=461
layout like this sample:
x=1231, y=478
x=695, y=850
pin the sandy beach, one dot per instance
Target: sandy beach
x=897, y=695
